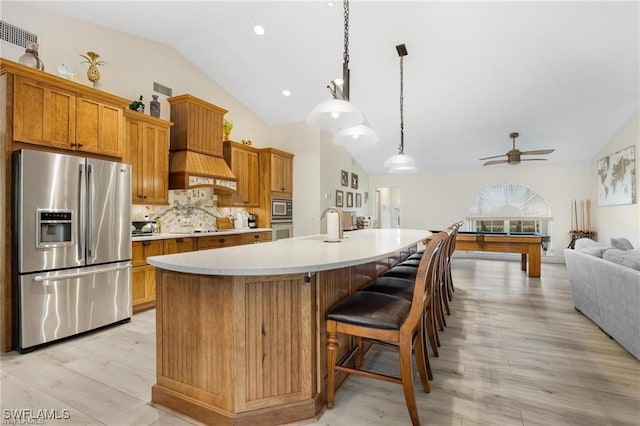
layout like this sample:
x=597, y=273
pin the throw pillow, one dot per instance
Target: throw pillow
x=596, y=251
x=621, y=243
x=584, y=243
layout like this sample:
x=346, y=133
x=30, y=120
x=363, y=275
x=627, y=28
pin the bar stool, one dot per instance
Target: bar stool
x=389, y=319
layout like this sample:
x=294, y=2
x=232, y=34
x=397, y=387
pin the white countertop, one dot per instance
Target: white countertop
x=293, y=255
x=168, y=235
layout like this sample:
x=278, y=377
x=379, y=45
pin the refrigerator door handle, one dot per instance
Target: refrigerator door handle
x=80, y=215
x=45, y=279
x=91, y=210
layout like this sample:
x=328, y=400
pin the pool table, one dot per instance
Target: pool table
x=527, y=244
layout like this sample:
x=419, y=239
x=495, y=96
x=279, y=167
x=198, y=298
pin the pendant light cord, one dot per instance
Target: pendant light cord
x=401, y=148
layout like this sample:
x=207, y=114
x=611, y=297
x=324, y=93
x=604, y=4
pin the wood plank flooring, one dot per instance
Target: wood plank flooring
x=515, y=352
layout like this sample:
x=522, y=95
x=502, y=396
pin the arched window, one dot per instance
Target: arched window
x=510, y=208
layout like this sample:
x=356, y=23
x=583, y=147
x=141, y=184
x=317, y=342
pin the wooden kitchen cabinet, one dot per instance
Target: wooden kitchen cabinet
x=148, y=153
x=243, y=161
x=99, y=127
x=256, y=237
x=143, y=275
x=179, y=245
x=228, y=240
x=198, y=125
x=55, y=112
x=276, y=171
x=281, y=173
x=43, y=114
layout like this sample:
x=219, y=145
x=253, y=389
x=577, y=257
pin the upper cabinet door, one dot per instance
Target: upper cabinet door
x=43, y=114
x=99, y=127
x=281, y=173
x=198, y=125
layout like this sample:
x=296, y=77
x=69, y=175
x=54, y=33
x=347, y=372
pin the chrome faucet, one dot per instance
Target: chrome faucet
x=337, y=210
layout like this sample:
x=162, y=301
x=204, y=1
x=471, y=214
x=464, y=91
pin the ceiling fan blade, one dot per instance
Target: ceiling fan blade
x=489, y=163
x=495, y=156
x=537, y=152
x=534, y=159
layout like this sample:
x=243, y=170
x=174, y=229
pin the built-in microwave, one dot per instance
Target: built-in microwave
x=281, y=210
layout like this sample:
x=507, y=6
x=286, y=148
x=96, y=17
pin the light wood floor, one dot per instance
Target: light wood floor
x=515, y=352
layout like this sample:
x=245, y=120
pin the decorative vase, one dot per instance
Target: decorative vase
x=154, y=106
x=92, y=73
x=227, y=126
x=31, y=58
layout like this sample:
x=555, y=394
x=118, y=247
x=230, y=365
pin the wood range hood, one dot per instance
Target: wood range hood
x=196, y=159
x=189, y=169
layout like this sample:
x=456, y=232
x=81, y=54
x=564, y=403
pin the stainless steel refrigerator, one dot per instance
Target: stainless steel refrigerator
x=72, y=224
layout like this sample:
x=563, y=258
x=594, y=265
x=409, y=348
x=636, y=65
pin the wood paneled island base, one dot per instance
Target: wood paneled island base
x=250, y=349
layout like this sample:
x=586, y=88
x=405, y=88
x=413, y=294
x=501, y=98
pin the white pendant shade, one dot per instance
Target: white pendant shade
x=360, y=135
x=335, y=114
x=401, y=163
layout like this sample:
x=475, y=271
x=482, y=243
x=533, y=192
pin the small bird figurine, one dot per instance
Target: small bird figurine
x=67, y=72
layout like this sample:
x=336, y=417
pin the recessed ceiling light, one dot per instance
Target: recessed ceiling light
x=330, y=5
x=285, y=92
x=259, y=30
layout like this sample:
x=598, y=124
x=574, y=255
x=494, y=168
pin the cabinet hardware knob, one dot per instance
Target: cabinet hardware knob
x=73, y=144
x=179, y=240
x=144, y=197
x=221, y=240
x=146, y=243
x=80, y=145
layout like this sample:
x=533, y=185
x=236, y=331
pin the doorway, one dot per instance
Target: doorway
x=388, y=207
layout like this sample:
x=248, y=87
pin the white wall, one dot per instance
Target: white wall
x=304, y=143
x=435, y=200
x=132, y=64
x=619, y=221
x=333, y=159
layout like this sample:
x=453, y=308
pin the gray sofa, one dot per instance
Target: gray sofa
x=605, y=286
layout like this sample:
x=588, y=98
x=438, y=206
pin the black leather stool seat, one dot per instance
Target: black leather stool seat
x=399, y=287
x=370, y=309
x=408, y=272
x=415, y=256
x=410, y=262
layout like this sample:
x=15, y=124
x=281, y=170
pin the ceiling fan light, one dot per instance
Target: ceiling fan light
x=335, y=114
x=400, y=163
x=359, y=135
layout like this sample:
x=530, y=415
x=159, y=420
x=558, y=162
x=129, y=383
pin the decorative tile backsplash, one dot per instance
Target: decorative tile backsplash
x=188, y=209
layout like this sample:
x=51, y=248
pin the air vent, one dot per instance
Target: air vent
x=163, y=90
x=16, y=35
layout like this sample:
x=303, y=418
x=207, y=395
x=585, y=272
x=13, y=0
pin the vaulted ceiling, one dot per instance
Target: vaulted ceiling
x=565, y=75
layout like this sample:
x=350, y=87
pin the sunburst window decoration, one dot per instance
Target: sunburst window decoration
x=504, y=201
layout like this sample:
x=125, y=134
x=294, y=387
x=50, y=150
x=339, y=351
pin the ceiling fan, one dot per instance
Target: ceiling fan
x=513, y=156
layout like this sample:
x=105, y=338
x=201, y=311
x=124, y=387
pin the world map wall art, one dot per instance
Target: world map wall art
x=617, y=178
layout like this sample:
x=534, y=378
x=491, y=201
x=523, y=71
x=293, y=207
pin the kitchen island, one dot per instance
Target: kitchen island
x=240, y=330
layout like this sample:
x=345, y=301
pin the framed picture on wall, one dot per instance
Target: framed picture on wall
x=349, y=199
x=354, y=181
x=344, y=178
x=358, y=199
x=339, y=198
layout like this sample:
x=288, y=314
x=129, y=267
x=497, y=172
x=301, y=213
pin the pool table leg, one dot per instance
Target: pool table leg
x=534, y=261
x=523, y=262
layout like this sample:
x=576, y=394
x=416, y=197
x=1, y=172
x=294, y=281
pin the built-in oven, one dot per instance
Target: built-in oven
x=280, y=230
x=281, y=210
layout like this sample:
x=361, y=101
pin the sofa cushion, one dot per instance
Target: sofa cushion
x=621, y=243
x=590, y=247
x=628, y=258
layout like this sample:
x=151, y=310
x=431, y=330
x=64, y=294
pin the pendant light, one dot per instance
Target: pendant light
x=338, y=114
x=401, y=163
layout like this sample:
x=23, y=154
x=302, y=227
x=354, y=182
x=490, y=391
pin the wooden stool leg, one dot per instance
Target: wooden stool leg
x=406, y=374
x=332, y=350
